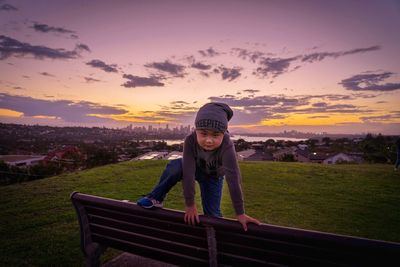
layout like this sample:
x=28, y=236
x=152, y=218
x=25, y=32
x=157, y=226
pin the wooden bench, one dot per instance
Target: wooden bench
x=161, y=234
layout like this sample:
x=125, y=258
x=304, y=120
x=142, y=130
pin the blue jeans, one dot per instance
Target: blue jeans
x=210, y=187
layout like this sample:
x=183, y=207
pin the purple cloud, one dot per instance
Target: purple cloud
x=8, y=7
x=11, y=47
x=245, y=54
x=166, y=66
x=46, y=28
x=66, y=110
x=200, y=66
x=370, y=82
x=136, y=81
x=322, y=55
x=82, y=47
x=251, y=91
x=210, y=52
x=274, y=66
x=46, y=74
x=230, y=74
x=90, y=80
x=95, y=63
x=254, y=109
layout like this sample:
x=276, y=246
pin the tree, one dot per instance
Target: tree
x=241, y=145
x=287, y=158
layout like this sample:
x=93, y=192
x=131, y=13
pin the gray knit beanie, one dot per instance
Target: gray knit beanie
x=214, y=117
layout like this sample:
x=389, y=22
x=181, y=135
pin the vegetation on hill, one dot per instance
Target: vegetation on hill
x=39, y=226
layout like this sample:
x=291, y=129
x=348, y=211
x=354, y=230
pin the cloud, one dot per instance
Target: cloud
x=251, y=91
x=230, y=74
x=318, y=117
x=136, y=81
x=210, y=52
x=320, y=104
x=200, y=66
x=66, y=110
x=46, y=74
x=252, y=56
x=95, y=63
x=8, y=7
x=322, y=55
x=168, y=67
x=370, y=82
x=82, y=47
x=329, y=108
x=46, y=28
x=90, y=80
x=381, y=118
x=11, y=47
x=178, y=112
x=271, y=66
x=252, y=109
x=274, y=66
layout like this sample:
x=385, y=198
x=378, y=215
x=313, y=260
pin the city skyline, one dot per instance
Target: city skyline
x=310, y=66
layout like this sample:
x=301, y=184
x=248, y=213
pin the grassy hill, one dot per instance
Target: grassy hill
x=39, y=226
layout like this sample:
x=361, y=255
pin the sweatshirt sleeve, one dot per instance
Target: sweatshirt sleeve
x=233, y=177
x=189, y=169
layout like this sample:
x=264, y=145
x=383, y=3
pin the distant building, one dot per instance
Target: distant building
x=65, y=153
x=302, y=155
x=341, y=157
x=22, y=160
x=260, y=155
x=174, y=155
x=278, y=155
x=154, y=155
x=318, y=157
x=242, y=155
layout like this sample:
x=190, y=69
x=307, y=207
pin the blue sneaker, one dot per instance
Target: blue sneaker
x=148, y=203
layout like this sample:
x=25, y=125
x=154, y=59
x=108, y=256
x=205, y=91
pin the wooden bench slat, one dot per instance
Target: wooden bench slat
x=278, y=257
x=147, y=240
x=259, y=246
x=149, y=221
x=170, y=234
x=151, y=252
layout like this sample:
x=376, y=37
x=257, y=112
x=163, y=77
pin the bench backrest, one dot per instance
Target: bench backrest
x=161, y=234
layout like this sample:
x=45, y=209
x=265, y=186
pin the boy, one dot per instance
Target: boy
x=208, y=156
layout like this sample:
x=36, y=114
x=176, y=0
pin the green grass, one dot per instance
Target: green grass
x=39, y=227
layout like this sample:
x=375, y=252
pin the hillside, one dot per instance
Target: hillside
x=39, y=226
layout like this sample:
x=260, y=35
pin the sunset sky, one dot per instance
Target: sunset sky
x=311, y=66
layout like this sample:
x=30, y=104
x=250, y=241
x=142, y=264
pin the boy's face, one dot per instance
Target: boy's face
x=209, y=140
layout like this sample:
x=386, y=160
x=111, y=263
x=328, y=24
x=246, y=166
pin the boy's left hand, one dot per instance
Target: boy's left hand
x=244, y=219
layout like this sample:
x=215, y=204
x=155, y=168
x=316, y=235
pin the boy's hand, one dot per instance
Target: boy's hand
x=191, y=216
x=244, y=219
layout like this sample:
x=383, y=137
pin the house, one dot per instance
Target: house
x=318, y=157
x=174, y=155
x=242, y=155
x=154, y=155
x=278, y=155
x=22, y=160
x=260, y=155
x=302, y=155
x=340, y=157
x=65, y=154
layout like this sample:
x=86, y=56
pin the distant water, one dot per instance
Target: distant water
x=169, y=142
x=265, y=138
x=237, y=136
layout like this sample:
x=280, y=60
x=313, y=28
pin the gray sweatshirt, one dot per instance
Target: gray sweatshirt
x=219, y=162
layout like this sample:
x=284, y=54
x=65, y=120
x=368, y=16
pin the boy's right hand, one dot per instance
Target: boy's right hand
x=191, y=216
